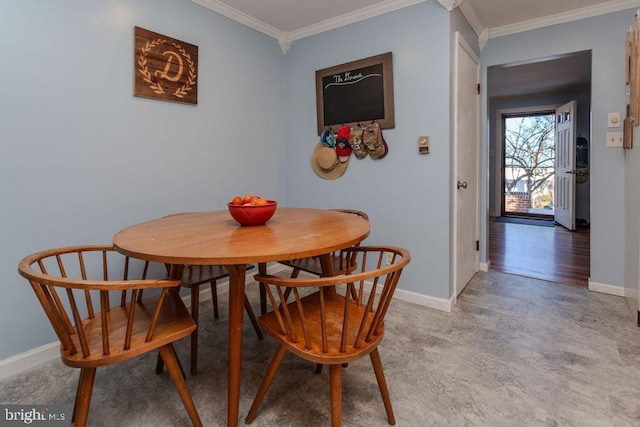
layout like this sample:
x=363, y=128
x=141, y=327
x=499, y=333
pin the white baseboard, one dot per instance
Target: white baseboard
x=485, y=266
x=425, y=300
x=606, y=289
x=419, y=299
x=29, y=359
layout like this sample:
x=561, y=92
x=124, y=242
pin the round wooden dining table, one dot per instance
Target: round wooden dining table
x=214, y=238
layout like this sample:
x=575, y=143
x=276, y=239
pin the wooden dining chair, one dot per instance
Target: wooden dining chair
x=312, y=264
x=330, y=327
x=193, y=276
x=101, y=320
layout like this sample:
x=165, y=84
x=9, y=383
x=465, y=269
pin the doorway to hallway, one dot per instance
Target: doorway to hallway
x=534, y=86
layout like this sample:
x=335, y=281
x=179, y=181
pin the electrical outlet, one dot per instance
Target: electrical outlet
x=614, y=139
x=388, y=258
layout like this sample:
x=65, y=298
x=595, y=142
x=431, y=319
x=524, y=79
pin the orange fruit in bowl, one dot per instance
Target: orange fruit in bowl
x=247, y=198
x=253, y=213
x=237, y=200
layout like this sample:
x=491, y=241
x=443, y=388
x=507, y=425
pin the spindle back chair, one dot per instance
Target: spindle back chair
x=97, y=311
x=334, y=324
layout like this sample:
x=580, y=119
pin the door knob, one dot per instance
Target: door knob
x=462, y=184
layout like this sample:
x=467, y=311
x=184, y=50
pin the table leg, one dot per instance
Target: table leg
x=236, y=315
x=327, y=265
x=262, y=270
x=175, y=272
x=327, y=269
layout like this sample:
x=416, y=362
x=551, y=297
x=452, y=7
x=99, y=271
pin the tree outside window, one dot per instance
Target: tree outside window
x=529, y=150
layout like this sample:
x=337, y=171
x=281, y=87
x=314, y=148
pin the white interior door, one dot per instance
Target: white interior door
x=565, y=166
x=466, y=161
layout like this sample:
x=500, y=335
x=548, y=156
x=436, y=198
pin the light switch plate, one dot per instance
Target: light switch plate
x=613, y=120
x=423, y=144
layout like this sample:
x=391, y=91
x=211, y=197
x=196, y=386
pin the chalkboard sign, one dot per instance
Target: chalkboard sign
x=358, y=91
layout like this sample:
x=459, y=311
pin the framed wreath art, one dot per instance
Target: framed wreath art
x=165, y=68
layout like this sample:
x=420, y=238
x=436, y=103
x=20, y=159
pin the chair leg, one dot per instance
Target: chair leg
x=287, y=292
x=382, y=385
x=75, y=402
x=335, y=375
x=262, y=269
x=160, y=366
x=252, y=317
x=295, y=273
x=266, y=382
x=195, y=315
x=354, y=294
x=214, y=298
x=168, y=354
x=83, y=396
x=195, y=302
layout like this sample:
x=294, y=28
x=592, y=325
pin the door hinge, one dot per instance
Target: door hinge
x=477, y=245
x=478, y=88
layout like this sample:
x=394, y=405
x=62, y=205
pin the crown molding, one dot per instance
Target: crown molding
x=241, y=17
x=561, y=18
x=285, y=45
x=285, y=39
x=450, y=4
x=472, y=17
x=483, y=39
x=351, y=18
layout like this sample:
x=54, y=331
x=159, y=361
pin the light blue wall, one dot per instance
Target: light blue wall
x=405, y=194
x=605, y=36
x=82, y=157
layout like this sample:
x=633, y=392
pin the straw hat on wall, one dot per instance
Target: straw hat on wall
x=325, y=162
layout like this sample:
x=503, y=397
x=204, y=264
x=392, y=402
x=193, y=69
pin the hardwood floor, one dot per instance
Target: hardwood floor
x=548, y=253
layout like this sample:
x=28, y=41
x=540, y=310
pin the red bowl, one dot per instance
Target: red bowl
x=249, y=215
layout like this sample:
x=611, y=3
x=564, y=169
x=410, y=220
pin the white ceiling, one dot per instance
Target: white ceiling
x=289, y=20
x=291, y=15
x=500, y=13
x=540, y=76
